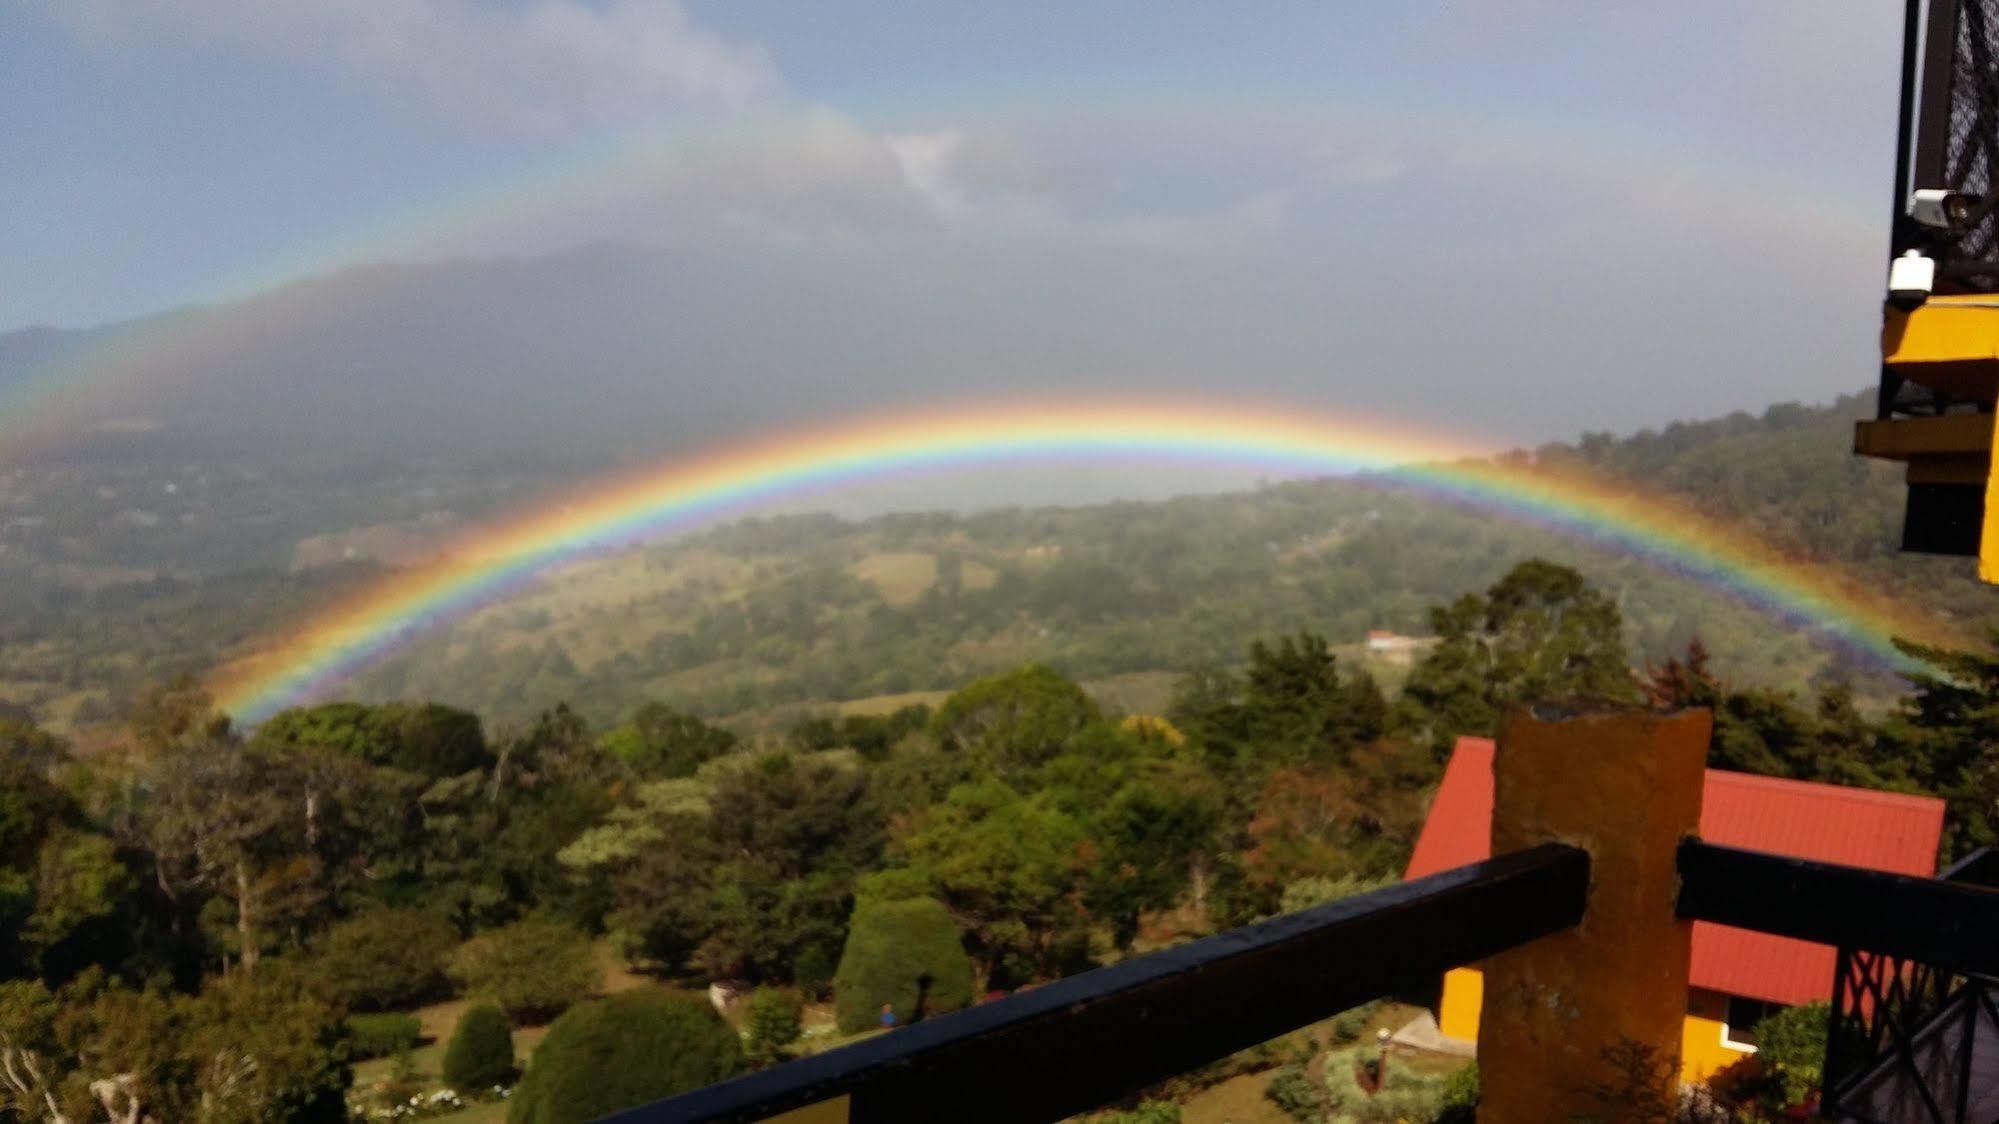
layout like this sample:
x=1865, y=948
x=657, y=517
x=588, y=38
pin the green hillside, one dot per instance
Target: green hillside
x=813, y=609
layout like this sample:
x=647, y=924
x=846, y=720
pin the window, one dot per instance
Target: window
x=1738, y=1028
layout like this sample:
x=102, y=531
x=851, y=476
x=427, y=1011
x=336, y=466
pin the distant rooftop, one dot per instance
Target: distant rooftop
x=1830, y=823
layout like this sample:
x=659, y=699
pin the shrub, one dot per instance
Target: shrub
x=378, y=1036
x=481, y=1052
x=774, y=1021
x=1404, y=1094
x=812, y=971
x=612, y=1054
x=906, y=954
x=387, y=958
x=1348, y=1025
x=1461, y=1091
x=1294, y=1092
x=1790, y=1046
x=533, y=968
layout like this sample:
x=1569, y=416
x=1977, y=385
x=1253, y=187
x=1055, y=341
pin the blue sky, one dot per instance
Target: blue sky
x=1724, y=165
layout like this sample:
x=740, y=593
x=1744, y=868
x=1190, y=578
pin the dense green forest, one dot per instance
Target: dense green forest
x=742, y=621
x=206, y=923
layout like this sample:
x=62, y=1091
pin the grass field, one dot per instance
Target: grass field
x=901, y=576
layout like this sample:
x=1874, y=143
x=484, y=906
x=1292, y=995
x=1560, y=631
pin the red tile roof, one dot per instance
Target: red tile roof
x=1856, y=826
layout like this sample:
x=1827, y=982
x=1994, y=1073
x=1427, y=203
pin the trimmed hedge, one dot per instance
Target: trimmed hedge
x=617, y=1053
x=905, y=954
x=481, y=1052
x=379, y=1036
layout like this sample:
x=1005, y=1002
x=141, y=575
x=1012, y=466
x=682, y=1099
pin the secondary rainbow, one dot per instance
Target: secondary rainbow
x=49, y=404
x=732, y=481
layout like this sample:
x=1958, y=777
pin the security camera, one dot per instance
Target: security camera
x=1940, y=209
x=1910, y=279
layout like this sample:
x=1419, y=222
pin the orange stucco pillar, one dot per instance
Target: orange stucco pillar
x=1564, y=1015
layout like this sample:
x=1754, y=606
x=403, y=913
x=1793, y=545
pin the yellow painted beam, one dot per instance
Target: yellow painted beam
x=1903, y=439
x=1949, y=343
x=1942, y=330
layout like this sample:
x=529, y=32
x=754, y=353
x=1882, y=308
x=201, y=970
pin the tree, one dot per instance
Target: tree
x=1007, y=866
x=1298, y=708
x=1763, y=730
x=741, y=874
x=793, y=833
x=905, y=955
x=267, y=1047
x=424, y=738
x=351, y=728
x=83, y=895
x=246, y=1049
x=627, y=1050
x=812, y=971
x=434, y=740
x=1146, y=840
x=179, y=710
x=532, y=968
x=659, y=741
x=1014, y=722
x=772, y=1023
x=1946, y=733
x=1540, y=632
x=480, y=1055
x=383, y=959
x=220, y=822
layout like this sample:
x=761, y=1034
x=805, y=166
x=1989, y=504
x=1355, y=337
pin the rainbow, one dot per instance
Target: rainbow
x=731, y=481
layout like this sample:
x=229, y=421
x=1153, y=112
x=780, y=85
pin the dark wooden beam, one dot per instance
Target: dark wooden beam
x=1084, y=1041
x=1948, y=924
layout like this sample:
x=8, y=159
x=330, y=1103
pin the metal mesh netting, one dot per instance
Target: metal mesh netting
x=1971, y=146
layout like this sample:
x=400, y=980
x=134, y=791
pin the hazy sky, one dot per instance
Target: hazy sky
x=1663, y=197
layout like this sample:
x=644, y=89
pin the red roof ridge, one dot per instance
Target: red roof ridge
x=1826, y=790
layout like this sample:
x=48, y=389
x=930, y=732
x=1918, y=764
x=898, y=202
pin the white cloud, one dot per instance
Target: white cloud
x=544, y=65
x=926, y=160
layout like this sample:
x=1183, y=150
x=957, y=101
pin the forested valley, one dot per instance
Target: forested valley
x=211, y=923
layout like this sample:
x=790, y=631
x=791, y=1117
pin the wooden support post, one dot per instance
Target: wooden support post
x=1567, y=1018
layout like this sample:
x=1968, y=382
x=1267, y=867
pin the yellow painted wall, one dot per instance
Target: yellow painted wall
x=1702, y=1052
x=1457, y=1012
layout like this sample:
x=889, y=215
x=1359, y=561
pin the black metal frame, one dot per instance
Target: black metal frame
x=1947, y=135
x=1152, y=1017
x=1883, y=1007
x=1913, y=953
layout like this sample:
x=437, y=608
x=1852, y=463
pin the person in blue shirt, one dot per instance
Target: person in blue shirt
x=888, y=1016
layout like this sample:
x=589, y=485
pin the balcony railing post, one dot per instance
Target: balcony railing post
x=1566, y=1017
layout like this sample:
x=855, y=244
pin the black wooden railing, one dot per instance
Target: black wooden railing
x=1905, y=1032
x=1152, y=1017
